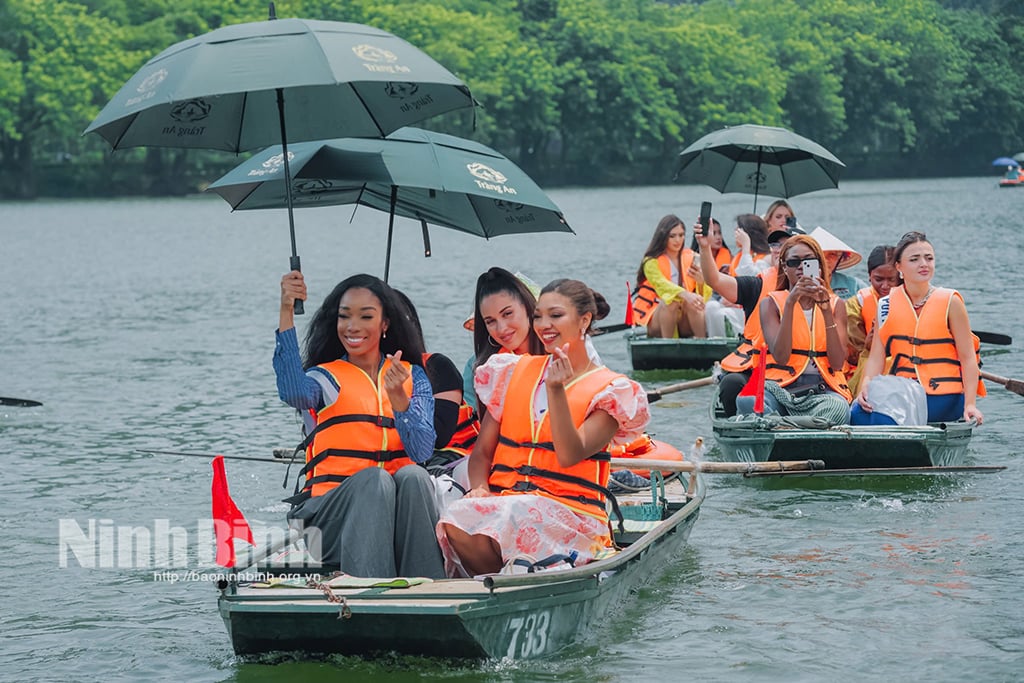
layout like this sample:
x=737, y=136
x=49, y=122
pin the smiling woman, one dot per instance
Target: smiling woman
x=538, y=471
x=356, y=393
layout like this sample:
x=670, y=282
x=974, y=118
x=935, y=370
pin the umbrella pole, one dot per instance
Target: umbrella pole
x=294, y=262
x=757, y=178
x=391, y=230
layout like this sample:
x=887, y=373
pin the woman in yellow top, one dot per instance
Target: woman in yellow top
x=666, y=300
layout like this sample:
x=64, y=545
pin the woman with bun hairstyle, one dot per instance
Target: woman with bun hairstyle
x=539, y=470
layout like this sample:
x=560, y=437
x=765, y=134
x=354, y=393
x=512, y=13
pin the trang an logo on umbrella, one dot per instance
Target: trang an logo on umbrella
x=515, y=212
x=189, y=111
x=272, y=165
x=311, y=190
x=489, y=179
x=379, y=60
x=755, y=180
x=147, y=87
x=403, y=91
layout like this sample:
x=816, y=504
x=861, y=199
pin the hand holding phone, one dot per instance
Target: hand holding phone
x=790, y=221
x=705, y=218
x=811, y=268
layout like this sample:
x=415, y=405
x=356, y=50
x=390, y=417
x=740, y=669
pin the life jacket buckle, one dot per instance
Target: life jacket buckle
x=522, y=486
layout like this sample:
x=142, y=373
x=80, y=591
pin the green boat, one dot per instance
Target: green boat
x=518, y=616
x=844, y=447
x=652, y=353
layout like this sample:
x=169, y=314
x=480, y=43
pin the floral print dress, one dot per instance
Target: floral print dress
x=528, y=525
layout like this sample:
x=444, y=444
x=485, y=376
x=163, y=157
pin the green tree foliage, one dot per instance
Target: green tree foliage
x=576, y=91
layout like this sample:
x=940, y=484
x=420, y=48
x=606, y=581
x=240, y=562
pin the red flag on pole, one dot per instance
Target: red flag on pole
x=755, y=386
x=228, y=521
x=629, y=305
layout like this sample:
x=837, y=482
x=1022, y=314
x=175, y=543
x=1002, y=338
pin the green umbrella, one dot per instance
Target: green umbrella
x=246, y=86
x=759, y=160
x=419, y=174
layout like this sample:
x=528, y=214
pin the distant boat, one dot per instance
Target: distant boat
x=655, y=353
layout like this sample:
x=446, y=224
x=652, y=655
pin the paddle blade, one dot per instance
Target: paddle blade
x=228, y=521
x=629, y=305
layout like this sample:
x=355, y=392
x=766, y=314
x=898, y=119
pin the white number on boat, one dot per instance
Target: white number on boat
x=534, y=629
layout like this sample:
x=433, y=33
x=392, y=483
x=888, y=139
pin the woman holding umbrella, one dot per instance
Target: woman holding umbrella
x=365, y=505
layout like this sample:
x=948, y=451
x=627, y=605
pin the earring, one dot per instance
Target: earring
x=583, y=334
x=492, y=342
x=384, y=334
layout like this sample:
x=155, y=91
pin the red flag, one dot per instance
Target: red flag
x=228, y=521
x=629, y=305
x=755, y=386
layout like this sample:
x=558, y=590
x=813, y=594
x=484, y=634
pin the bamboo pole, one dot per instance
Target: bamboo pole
x=656, y=394
x=715, y=467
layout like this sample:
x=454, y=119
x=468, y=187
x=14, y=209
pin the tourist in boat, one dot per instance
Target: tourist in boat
x=804, y=326
x=365, y=505
x=502, y=323
x=926, y=331
x=455, y=423
x=861, y=311
x=752, y=243
x=538, y=470
x=780, y=216
x=839, y=256
x=746, y=291
x=666, y=300
x=721, y=252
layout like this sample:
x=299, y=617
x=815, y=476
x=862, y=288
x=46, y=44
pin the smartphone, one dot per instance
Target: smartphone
x=705, y=218
x=811, y=268
x=790, y=221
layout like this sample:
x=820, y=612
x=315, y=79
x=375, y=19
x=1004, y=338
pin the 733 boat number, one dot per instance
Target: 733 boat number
x=529, y=635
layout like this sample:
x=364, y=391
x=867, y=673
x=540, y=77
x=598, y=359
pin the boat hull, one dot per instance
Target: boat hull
x=646, y=353
x=845, y=446
x=519, y=616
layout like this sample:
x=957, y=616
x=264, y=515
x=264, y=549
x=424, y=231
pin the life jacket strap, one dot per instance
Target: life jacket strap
x=531, y=471
x=600, y=456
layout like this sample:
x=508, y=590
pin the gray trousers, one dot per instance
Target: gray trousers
x=375, y=524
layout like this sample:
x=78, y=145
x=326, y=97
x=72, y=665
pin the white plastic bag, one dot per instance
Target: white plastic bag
x=902, y=399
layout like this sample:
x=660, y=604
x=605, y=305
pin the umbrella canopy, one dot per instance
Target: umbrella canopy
x=759, y=160
x=219, y=90
x=1006, y=161
x=431, y=177
x=250, y=85
x=1019, y=156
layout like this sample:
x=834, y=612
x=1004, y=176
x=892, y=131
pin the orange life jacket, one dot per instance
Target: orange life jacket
x=647, y=448
x=355, y=432
x=868, y=299
x=809, y=344
x=525, y=461
x=723, y=257
x=735, y=263
x=466, y=429
x=646, y=300
x=921, y=345
x=742, y=359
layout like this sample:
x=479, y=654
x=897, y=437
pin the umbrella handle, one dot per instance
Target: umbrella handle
x=293, y=262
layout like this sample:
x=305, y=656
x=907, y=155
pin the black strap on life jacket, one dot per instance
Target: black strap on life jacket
x=914, y=361
x=600, y=456
x=377, y=456
x=798, y=352
x=531, y=471
x=915, y=341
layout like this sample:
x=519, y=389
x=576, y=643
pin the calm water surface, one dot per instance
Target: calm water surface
x=149, y=325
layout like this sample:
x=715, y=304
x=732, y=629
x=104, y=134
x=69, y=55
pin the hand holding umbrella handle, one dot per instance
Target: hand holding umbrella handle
x=295, y=265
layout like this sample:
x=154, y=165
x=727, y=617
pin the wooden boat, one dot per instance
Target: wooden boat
x=651, y=353
x=505, y=615
x=845, y=447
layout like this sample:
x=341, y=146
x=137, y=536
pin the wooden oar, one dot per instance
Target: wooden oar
x=213, y=455
x=1014, y=385
x=19, y=402
x=993, y=338
x=618, y=327
x=715, y=467
x=656, y=394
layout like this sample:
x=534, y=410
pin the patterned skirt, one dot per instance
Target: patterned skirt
x=523, y=525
